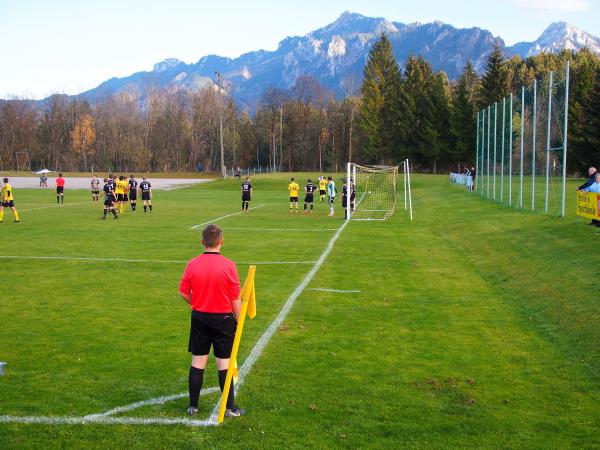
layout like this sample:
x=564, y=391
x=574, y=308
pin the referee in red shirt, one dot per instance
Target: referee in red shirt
x=211, y=286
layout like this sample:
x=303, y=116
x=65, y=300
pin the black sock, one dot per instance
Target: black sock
x=243, y=205
x=311, y=206
x=150, y=206
x=247, y=204
x=58, y=199
x=62, y=198
x=105, y=212
x=145, y=207
x=195, y=384
x=114, y=211
x=305, y=207
x=230, y=397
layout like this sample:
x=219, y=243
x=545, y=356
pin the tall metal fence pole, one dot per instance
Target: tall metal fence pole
x=548, y=134
x=502, y=151
x=488, y=151
x=510, y=149
x=495, y=144
x=564, y=180
x=522, y=143
x=482, y=148
x=476, y=152
x=533, y=152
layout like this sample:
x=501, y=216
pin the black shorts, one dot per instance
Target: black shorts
x=60, y=189
x=344, y=202
x=108, y=202
x=121, y=197
x=245, y=196
x=133, y=195
x=321, y=192
x=145, y=195
x=95, y=192
x=309, y=198
x=8, y=204
x=214, y=329
x=294, y=199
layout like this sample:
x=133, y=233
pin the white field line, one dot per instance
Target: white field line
x=270, y=331
x=339, y=291
x=224, y=217
x=158, y=261
x=280, y=229
x=107, y=419
x=152, y=401
x=68, y=420
x=58, y=205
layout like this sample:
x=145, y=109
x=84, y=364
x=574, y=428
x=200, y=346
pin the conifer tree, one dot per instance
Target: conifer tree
x=464, y=112
x=494, y=84
x=381, y=76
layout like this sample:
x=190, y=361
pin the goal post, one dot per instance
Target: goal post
x=372, y=191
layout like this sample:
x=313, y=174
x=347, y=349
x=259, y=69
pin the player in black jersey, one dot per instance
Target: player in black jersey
x=133, y=186
x=112, y=182
x=146, y=189
x=345, y=198
x=352, y=194
x=109, y=199
x=310, y=190
x=246, y=194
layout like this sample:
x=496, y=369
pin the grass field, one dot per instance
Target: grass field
x=476, y=326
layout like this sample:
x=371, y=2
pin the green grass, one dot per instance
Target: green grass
x=477, y=326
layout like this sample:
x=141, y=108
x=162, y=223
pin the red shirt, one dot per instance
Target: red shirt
x=60, y=182
x=213, y=282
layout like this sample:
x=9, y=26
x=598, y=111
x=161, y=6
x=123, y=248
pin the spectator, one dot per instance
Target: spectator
x=591, y=180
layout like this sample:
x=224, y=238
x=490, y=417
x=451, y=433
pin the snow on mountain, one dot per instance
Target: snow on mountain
x=338, y=51
x=557, y=37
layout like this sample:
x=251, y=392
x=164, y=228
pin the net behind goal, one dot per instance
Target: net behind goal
x=375, y=190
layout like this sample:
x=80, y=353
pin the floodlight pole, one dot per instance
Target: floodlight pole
x=409, y=191
x=548, y=131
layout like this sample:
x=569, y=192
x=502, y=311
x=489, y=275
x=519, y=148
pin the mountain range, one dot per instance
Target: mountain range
x=335, y=55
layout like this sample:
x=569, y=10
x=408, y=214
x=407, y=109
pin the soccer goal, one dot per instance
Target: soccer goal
x=375, y=191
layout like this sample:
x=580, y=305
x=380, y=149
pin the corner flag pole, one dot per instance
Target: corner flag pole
x=247, y=291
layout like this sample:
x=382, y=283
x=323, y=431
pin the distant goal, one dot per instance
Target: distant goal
x=376, y=190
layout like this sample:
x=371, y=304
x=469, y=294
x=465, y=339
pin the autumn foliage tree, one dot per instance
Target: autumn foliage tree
x=83, y=137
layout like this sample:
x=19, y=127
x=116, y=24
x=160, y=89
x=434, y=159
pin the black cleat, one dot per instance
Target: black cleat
x=191, y=411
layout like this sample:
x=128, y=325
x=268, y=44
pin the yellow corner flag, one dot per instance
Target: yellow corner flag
x=248, y=307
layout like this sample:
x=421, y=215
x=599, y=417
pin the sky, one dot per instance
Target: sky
x=69, y=46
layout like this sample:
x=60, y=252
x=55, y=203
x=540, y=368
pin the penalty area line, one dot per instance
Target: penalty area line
x=270, y=331
x=59, y=205
x=224, y=217
x=337, y=291
x=157, y=261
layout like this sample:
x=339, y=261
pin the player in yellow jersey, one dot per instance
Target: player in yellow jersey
x=7, y=200
x=322, y=187
x=293, y=189
x=120, y=188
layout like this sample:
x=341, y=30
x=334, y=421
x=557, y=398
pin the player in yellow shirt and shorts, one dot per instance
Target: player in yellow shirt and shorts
x=293, y=189
x=7, y=201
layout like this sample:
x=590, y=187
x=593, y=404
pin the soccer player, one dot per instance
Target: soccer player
x=322, y=187
x=331, y=191
x=60, y=189
x=121, y=185
x=345, y=198
x=109, y=199
x=112, y=182
x=210, y=285
x=7, y=200
x=246, y=194
x=352, y=194
x=309, y=190
x=133, y=186
x=95, y=186
x=146, y=189
x=293, y=189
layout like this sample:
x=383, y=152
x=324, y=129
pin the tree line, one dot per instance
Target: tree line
x=396, y=112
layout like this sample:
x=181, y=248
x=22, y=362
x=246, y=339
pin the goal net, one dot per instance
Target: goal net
x=375, y=191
